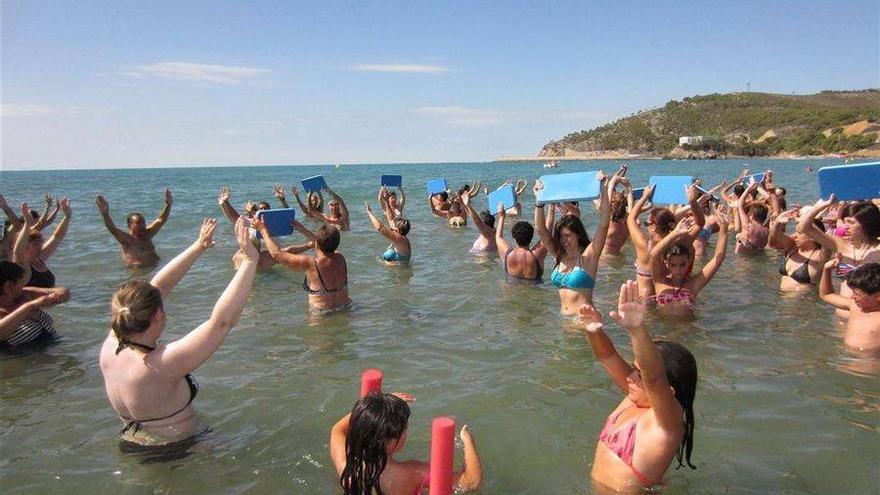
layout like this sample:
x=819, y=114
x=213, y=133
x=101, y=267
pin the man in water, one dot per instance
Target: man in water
x=137, y=244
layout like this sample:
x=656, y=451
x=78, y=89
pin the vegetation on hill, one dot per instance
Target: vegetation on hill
x=738, y=122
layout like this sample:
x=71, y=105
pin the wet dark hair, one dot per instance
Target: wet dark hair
x=443, y=195
x=759, y=213
x=35, y=214
x=739, y=189
x=376, y=419
x=327, y=238
x=10, y=272
x=868, y=216
x=488, y=218
x=681, y=373
x=573, y=224
x=263, y=205
x=463, y=189
x=865, y=278
x=132, y=216
x=677, y=249
x=522, y=233
x=402, y=226
x=663, y=220
x=618, y=207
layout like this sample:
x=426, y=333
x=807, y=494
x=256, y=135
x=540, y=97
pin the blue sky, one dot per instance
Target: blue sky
x=136, y=84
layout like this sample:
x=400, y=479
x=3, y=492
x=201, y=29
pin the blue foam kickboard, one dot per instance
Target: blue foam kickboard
x=503, y=195
x=748, y=179
x=637, y=193
x=670, y=189
x=435, y=186
x=314, y=184
x=578, y=186
x=391, y=180
x=848, y=182
x=277, y=221
x=704, y=191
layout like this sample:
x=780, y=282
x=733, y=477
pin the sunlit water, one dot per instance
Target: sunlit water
x=779, y=408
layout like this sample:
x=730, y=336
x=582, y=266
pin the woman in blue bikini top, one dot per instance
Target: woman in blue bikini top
x=577, y=259
x=400, y=250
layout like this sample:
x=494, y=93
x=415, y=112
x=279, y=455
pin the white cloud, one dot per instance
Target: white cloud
x=13, y=110
x=463, y=116
x=217, y=74
x=404, y=68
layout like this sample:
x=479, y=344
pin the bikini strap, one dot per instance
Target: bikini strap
x=320, y=278
x=507, y=255
x=123, y=343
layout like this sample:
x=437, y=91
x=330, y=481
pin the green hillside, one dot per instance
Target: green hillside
x=736, y=123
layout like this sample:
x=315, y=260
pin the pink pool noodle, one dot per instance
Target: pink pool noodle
x=371, y=381
x=442, y=455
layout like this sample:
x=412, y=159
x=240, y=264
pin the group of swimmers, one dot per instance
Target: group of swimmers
x=150, y=384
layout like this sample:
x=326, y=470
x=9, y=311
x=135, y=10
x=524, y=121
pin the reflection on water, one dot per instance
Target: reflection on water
x=780, y=406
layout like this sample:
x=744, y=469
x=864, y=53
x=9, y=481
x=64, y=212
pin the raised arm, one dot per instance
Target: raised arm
x=157, y=224
x=49, y=213
x=484, y=229
x=630, y=315
x=805, y=226
x=540, y=222
x=104, y=210
x=826, y=289
x=10, y=214
x=697, y=212
x=279, y=195
x=594, y=250
x=777, y=239
x=603, y=349
x=188, y=353
x=402, y=201
x=227, y=209
x=21, y=242
x=378, y=225
x=636, y=234
x=52, y=243
x=302, y=206
x=711, y=267
x=171, y=273
x=501, y=244
x=338, y=436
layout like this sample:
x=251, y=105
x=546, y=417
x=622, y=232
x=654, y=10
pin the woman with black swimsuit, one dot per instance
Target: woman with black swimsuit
x=520, y=261
x=149, y=383
x=802, y=258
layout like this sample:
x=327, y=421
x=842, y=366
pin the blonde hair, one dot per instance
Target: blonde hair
x=134, y=304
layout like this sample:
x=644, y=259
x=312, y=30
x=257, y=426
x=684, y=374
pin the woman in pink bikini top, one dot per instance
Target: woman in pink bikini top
x=654, y=423
x=362, y=445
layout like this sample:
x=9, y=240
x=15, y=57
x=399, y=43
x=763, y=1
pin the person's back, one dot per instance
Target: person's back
x=328, y=281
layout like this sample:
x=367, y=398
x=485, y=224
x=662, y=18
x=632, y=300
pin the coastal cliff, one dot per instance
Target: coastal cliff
x=737, y=124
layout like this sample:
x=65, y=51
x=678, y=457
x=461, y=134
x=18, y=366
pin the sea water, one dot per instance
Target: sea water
x=780, y=407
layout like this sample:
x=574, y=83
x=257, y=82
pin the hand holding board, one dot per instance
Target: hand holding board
x=278, y=222
x=435, y=186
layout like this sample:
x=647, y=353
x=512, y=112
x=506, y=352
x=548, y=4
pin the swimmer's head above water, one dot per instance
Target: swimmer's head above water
x=136, y=305
x=865, y=284
x=137, y=226
x=677, y=259
x=569, y=235
x=377, y=429
x=522, y=233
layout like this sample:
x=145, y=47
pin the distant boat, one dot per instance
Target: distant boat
x=550, y=164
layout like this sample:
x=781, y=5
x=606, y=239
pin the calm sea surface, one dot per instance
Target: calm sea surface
x=780, y=407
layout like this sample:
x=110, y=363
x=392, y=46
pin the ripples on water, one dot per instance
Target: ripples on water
x=780, y=407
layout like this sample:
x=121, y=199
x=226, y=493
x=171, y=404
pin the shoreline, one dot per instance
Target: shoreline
x=635, y=157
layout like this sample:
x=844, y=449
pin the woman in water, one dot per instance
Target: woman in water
x=485, y=223
x=363, y=444
x=453, y=210
x=672, y=260
x=803, y=257
x=618, y=232
x=36, y=251
x=577, y=259
x=391, y=203
x=326, y=273
x=661, y=221
x=860, y=242
x=752, y=234
x=399, y=252
x=338, y=216
x=22, y=319
x=149, y=383
x=654, y=424
x=521, y=261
